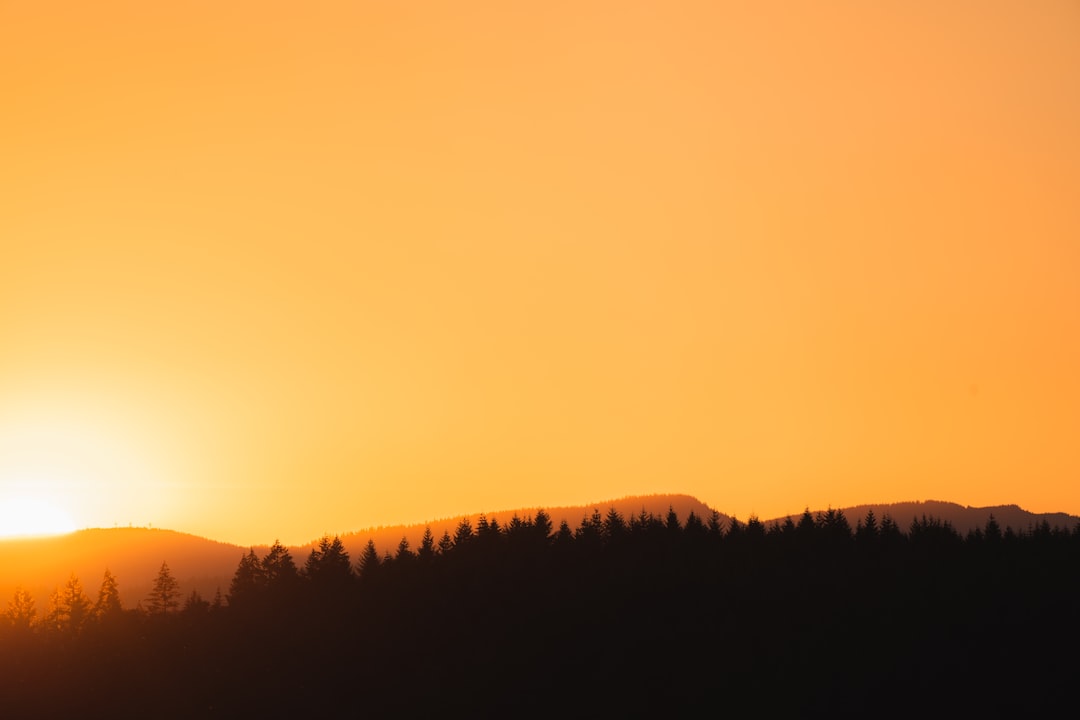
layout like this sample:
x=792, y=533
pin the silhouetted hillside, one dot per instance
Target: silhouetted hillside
x=639, y=615
x=964, y=518
x=132, y=555
x=388, y=538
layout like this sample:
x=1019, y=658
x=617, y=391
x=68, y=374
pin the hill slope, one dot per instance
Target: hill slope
x=962, y=517
x=134, y=555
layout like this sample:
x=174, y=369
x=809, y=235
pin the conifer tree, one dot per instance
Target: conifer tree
x=672, y=521
x=165, y=594
x=464, y=533
x=890, y=532
x=74, y=605
x=542, y=526
x=755, y=529
x=248, y=581
x=53, y=620
x=278, y=569
x=694, y=528
x=564, y=538
x=369, y=561
x=716, y=525
x=446, y=543
x=614, y=525
x=426, y=553
x=108, y=599
x=328, y=565
x=217, y=603
x=404, y=554
x=195, y=605
x=516, y=527
x=867, y=531
x=21, y=611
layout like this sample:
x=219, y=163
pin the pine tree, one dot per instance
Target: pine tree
x=542, y=526
x=195, y=605
x=369, y=561
x=328, y=566
x=517, y=527
x=446, y=543
x=248, y=581
x=867, y=531
x=694, y=529
x=716, y=525
x=108, y=599
x=564, y=538
x=74, y=605
x=218, y=602
x=426, y=553
x=165, y=593
x=21, y=611
x=614, y=525
x=672, y=521
x=53, y=621
x=463, y=534
x=278, y=569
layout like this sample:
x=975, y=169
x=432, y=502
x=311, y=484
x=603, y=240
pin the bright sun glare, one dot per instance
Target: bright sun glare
x=20, y=517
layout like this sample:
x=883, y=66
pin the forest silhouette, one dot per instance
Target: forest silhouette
x=628, y=614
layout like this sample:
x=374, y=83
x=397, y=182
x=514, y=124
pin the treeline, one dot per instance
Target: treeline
x=633, y=614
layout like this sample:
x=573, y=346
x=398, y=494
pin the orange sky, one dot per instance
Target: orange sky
x=272, y=269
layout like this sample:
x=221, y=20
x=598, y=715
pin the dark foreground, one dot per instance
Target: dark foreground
x=646, y=616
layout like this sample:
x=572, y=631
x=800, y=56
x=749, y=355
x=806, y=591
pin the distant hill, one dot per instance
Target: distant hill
x=388, y=538
x=134, y=555
x=962, y=517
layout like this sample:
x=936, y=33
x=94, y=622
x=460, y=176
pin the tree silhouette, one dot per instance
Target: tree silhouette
x=614, y=525
x=108, y=599
x=278, y=569
x=217, y=603
x=694, y=529
x=789, y=603
x=195, y=604
x=426, y=553
x=248, y=581
x=369, y=561
x=54, y=618
x=542, y=526
x=74, y=605
x=165, y=594
x=21, y=611
x=867, y=531
x=328, y=566
x=463, y=534
x=446, y=543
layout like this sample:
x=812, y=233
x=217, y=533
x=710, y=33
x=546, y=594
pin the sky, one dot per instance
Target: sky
x=276, y=269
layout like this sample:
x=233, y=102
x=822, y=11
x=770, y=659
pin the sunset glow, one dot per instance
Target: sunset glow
x=270, y=271
x=25, y=517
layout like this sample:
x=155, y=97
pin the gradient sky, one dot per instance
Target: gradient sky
x=274, y=269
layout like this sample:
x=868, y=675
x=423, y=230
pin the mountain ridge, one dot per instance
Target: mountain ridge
x=134, y=555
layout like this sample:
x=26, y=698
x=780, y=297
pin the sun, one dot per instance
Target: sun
x=24, y=517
